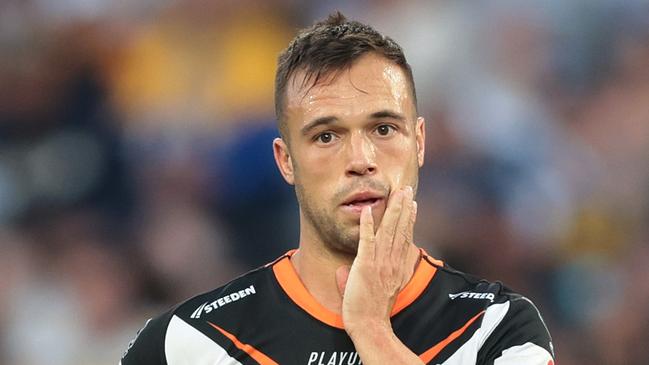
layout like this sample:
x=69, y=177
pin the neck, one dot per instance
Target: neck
x=316, y=265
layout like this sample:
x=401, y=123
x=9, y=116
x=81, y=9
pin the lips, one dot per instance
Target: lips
x=362, y=199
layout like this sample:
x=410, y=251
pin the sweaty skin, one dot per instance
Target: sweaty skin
x=353, y=134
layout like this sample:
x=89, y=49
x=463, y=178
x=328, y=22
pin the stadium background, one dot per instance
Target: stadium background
x=136, y=166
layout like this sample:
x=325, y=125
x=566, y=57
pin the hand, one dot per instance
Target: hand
x=380, y=269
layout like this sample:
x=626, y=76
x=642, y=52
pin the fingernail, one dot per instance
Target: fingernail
x=409, y=190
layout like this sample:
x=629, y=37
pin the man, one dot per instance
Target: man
x=357, y=290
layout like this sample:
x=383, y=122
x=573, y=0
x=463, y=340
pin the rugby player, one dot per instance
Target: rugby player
x=356, y=289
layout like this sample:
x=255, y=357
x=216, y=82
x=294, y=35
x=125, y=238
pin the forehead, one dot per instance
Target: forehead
x=372, y=82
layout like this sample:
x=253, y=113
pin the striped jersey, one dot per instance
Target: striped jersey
x=267, y=316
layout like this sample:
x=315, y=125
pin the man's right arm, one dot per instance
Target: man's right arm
x=147, y=348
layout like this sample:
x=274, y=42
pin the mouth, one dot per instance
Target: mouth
x=362, y=202
x=356, y=202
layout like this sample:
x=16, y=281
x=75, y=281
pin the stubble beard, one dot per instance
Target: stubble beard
x=333, y=234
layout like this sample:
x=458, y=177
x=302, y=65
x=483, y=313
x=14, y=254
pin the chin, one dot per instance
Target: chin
x=345, y=245
x=345, y=250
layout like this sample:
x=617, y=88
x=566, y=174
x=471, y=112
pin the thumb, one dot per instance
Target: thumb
x=342, y=273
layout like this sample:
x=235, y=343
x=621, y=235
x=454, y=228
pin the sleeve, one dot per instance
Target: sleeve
x=522, y=338
x=147, y=348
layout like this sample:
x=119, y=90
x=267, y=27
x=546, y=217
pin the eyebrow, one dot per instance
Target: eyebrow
x=318, y=122
x=388, y=114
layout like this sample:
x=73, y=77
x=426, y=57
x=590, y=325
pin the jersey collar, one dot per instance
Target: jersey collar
x=292, y=285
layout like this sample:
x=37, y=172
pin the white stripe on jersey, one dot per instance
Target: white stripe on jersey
x=527, y=353
x=185, y=345
x=468, y=352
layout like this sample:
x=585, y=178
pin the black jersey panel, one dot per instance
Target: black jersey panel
x=147, y=348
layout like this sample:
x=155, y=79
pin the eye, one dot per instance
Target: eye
x=325, y=137
x=385, y=129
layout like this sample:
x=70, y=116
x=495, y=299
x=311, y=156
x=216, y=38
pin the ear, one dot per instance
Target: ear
x=420, y=135
x=283, y=160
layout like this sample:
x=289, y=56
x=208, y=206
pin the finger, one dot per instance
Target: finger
x=367, y=239
x=403, y=233
x=413, y=219
x=411, y=229
x=387, y=228
x=408, y=242
x=342, y=274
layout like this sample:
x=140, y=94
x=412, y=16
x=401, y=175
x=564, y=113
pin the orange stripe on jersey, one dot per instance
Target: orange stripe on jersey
x=417, y=284
x=257, y=355
x=295, y=289
x=430, y=354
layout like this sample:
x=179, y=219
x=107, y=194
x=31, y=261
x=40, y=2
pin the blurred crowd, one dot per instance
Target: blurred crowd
x=136, y=166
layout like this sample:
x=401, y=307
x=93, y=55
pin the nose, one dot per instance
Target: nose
x=361, y=156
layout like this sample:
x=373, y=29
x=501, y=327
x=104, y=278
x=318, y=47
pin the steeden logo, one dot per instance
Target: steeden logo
x=207, y=307
x=473, y=295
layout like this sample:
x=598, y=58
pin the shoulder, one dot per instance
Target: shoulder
x=509, y=325
x=234, y=296
x=517, y=332
x=227, y=302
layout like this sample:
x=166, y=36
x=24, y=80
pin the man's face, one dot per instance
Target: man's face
x=353, y=140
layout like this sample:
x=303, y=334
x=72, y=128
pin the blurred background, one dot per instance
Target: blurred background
x=136, y=166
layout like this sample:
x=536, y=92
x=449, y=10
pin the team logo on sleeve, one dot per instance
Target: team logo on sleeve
x=207, y=307
x=472, y=295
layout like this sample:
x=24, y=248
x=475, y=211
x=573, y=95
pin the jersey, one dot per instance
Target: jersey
x=267, y=316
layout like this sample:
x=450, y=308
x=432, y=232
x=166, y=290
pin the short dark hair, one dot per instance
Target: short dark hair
x=328, y=47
